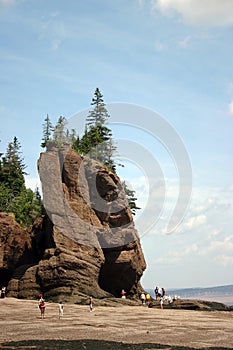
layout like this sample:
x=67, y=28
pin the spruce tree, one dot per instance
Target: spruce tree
x=12, y=167
x=60, y=132
x=47, y=131
x=14, y=196
x=99, y=114
x=98, y=137
x=130, y=195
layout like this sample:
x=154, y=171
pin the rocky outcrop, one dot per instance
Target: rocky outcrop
x=192, y=304
x=15, y=247
x=87, y=244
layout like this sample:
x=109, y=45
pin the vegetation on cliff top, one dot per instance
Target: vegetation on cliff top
x=96, y=142
x=14, y=196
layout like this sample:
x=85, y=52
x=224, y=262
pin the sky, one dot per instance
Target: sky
x=165, y=62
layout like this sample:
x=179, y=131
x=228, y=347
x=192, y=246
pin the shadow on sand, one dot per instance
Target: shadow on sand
x=90, y=345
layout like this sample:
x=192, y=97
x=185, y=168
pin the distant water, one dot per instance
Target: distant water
x=229, y=303
x=221, y=294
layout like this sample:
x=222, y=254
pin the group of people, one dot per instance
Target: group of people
x=160, y=294
x=41, y=306
x=145, y=298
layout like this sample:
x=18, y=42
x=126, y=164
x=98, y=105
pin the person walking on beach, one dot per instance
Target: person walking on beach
x=91, y=304
x=42, y=306
x=60, y=310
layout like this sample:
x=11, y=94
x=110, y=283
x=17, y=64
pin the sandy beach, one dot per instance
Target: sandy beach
x=20, y=321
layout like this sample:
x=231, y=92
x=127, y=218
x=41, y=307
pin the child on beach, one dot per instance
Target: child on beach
x=91, y=304
x=60, y=310
x=123, y=294
x=161, y=302
x=42, y=306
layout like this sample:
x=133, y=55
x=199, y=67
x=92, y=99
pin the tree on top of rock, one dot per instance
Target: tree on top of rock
x=99, y=115
x=97, y=139
x=47, y=131
x=59, y=133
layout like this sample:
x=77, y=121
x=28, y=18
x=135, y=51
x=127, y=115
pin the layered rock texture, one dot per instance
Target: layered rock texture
x=86, y=244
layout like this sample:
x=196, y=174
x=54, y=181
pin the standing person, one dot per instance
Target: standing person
x=60, y=310
x=3, y=292
x=123, y=294
x=156, y=293
x=91, y=304
x=148, y=298
x=161, y=302
x=159, y=292
x=143, y=298
x=42, y=306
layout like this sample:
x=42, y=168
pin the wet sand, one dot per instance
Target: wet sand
x=155, y=328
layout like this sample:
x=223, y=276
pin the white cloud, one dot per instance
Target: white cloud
x=159, y=46
x=231, y=107
x=178, y=255
x=218, y=246
x=54, y=31
x=184, y=43
x=196, y=12
x=224, y=260
x=32, y=183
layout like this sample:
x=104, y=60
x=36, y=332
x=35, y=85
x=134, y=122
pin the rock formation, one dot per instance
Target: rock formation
x=86, y=245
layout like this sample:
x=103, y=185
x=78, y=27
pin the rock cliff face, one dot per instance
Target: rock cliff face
x=86, y=245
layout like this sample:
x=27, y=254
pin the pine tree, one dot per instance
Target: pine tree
x=47, y=131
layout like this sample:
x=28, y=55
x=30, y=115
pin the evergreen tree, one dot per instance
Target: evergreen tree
x=47, y=131
x=97, y=139
x=59, y=134
x=99, y=114
x=14, y=196
x=130, y=195
x=12, y=167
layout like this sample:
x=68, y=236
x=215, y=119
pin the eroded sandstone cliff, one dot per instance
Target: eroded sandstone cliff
x=86, y=244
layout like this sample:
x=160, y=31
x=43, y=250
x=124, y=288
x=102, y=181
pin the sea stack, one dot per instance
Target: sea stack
x=86, y=243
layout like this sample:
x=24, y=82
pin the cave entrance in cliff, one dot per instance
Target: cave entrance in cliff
x=5, y=276
x=115, y=277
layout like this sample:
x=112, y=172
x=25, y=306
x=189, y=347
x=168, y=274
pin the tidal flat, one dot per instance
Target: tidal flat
x=107, y=327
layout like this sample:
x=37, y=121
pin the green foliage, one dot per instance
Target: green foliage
x=59, y=134
x=47, y=131
x=97, y=140
x=99, y=114
x=12, y=168
x=14, y=196
x=130, y=195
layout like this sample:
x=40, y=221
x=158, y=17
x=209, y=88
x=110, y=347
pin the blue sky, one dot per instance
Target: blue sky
x=173, y=57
